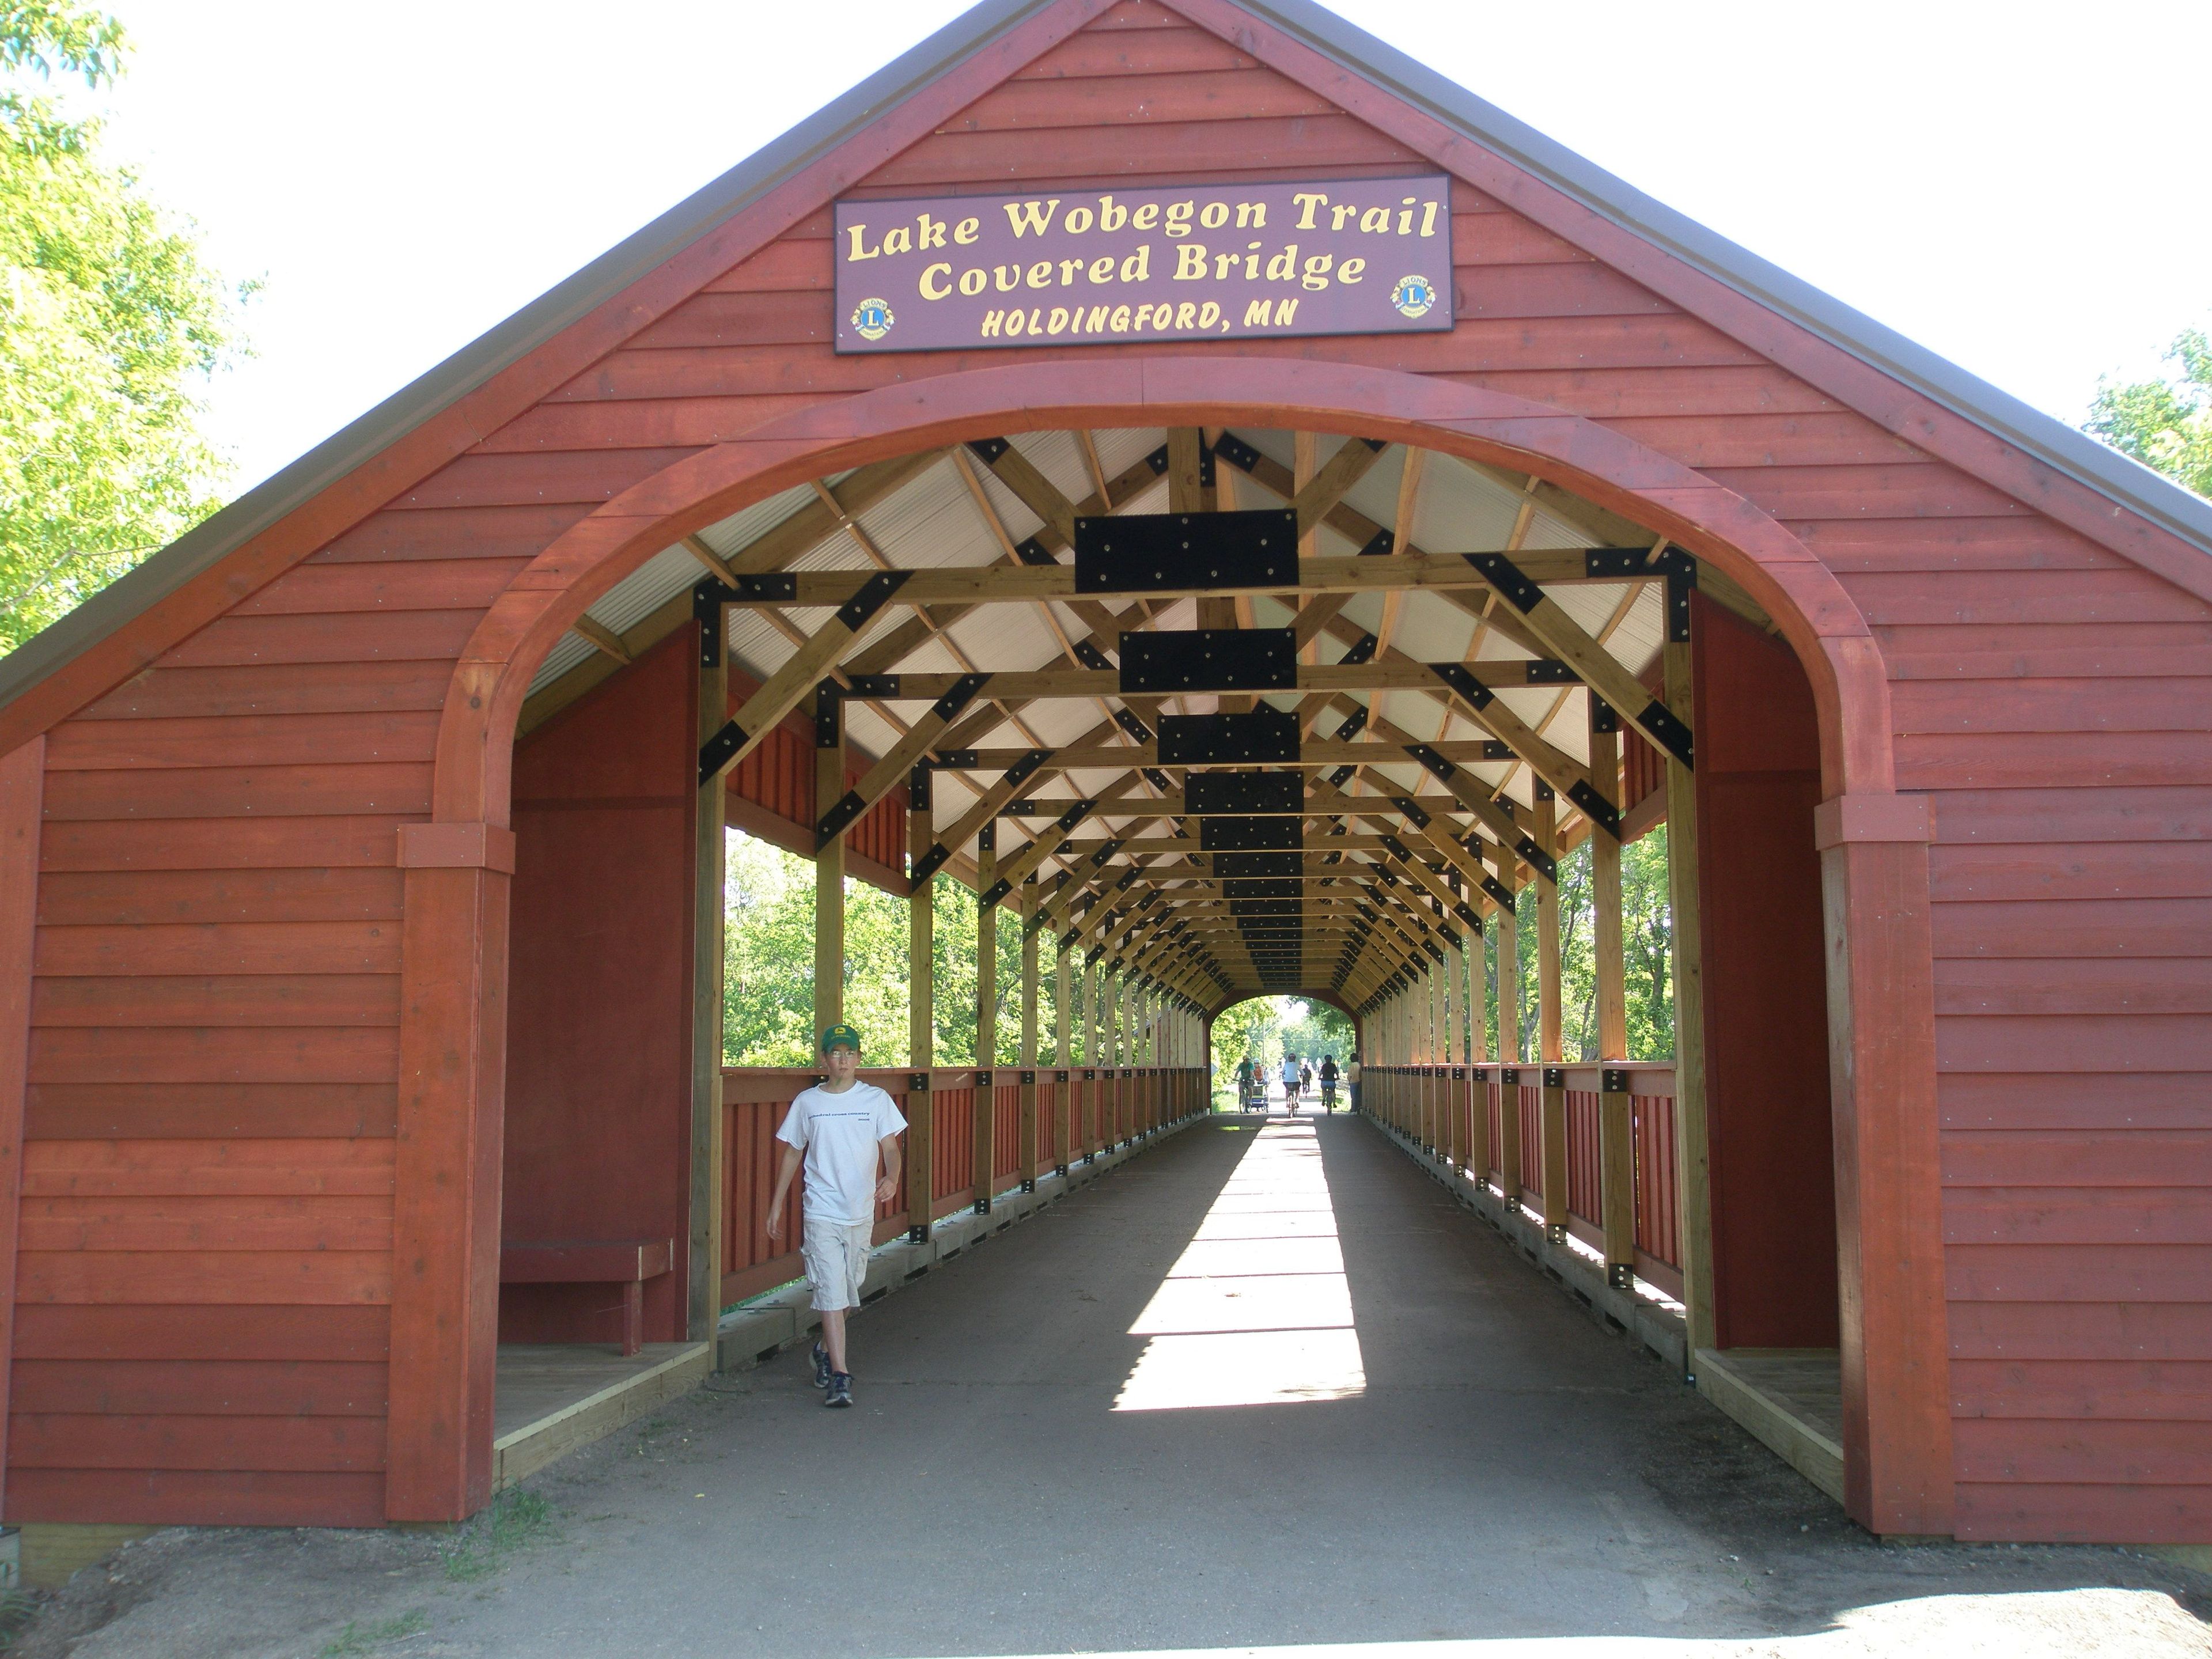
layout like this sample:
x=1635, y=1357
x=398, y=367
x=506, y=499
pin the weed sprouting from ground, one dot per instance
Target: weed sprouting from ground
x=356, y=1638
x=514, y=1520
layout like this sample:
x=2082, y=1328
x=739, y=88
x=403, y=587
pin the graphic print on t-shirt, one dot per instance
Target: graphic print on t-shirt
x=839, y=1134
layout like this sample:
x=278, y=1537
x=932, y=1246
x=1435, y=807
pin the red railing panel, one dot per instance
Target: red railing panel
x=1585, y=1177
x=952, y=1160
x=1529, y=1102
x=1658, y=1181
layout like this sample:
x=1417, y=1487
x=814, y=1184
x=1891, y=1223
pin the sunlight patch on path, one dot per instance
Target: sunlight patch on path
x=1256, y=1311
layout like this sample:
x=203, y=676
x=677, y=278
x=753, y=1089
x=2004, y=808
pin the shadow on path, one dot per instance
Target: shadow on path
x=1448, y=1449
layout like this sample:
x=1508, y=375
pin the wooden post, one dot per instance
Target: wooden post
x=1063, y=1025
x=1454, y=1085
x=707, y=1251
x=1616, y=1123
x=1692, y=1149
x=1508, y=1043
x=829, y=861
x=1554, y=1117
x=921, y=1014
x=1027, y=1150
x=986, y=1013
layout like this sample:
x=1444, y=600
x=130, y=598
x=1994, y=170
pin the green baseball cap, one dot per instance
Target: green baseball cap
x=840, y=1037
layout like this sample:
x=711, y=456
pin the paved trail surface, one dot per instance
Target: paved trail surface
x=1259, y=1387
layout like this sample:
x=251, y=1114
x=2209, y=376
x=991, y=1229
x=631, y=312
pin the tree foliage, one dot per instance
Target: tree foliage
x=1647, y=952
x=109, y=325
x=2166, y=424
x=767, y=967
x=1265, y=1029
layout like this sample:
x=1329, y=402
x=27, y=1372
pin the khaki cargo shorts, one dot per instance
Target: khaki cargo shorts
x=837, y=1256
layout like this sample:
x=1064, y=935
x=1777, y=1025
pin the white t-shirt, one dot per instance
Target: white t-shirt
x=839, y=1134
x=1290, y=1074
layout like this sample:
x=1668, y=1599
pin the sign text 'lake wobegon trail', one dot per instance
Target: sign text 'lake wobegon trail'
x=1337, y=256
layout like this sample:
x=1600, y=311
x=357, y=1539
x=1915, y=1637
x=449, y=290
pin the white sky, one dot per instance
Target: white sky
x=2017, y=187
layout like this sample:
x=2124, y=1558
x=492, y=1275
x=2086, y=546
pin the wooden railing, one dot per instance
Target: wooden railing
x=1554, y=1140
x=1077, y=1112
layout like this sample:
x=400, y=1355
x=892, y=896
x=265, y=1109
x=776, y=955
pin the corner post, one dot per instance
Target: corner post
x=1692, y=1153
x=1889, y=1222
x=709, y=1151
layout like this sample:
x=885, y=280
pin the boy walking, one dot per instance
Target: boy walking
x=845, y=1132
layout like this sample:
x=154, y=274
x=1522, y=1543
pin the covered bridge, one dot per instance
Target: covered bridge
x=1208, y=483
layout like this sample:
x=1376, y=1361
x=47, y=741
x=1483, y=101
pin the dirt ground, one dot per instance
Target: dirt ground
x=1503, y=1478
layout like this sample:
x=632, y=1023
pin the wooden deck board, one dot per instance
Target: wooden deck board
x=1791, y=1399
x=552, y=1401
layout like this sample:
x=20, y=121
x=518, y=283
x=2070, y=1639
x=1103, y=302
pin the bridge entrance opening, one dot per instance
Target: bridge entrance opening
x=1514, y=789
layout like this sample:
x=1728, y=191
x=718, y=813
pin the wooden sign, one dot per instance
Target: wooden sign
x=1337, y=256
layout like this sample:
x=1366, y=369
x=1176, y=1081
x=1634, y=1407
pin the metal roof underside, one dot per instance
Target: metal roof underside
x=934, y=521
x=2132, y=487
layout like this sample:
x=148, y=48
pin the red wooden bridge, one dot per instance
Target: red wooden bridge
x=361, y=855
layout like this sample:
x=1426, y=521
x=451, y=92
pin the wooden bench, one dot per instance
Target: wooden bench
x=628, y=1262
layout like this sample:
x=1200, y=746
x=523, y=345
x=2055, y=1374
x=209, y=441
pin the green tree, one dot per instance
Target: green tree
x=1647, y=952
x=2166, y=424
x=1267, y=1028
x=767, y=967
x=110, y=325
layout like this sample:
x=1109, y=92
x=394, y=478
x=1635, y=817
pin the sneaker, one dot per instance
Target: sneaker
x=840, y=1390
x=821, y=1366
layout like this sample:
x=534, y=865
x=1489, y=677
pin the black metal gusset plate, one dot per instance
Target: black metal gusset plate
x=875, y=593
x=1265, y=737
x=1154, y=552
x=1537, y=858
x=1224, y=834
x=1209, y=659
x=929, y=863
x=1433, y=763
x=1509, y=579
x=963, y=692
x=1235, y=451
x=1362, y=650
x=1409, y=809
x=1234, y=793
x=833, y=822
x=1600, y=811
x=716, y=752
x=1462, y=681
x=1249, y=866
x=1658, y=721
x=1600, y=562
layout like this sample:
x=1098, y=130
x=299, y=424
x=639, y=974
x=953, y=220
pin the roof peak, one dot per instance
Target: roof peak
x=2044, y=439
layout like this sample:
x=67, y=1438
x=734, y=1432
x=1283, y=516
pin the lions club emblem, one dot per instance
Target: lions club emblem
x=1415, y=296
x=871, y=319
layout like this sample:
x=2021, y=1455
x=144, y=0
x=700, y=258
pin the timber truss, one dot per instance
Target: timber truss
x=1226, y=711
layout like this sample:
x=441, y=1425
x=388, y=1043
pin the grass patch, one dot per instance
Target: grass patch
x=357, y=1639
x=514, y=1520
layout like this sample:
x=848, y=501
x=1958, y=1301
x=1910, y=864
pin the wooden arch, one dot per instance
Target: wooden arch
x=1873, y=848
